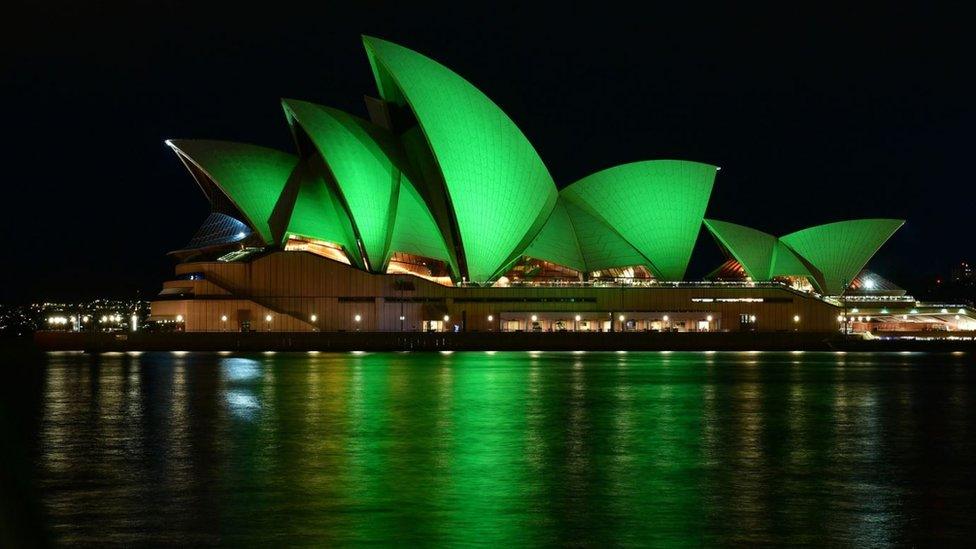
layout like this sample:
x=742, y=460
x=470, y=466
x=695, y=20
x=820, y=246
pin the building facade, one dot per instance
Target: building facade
x=437, y=214
x=300, y=291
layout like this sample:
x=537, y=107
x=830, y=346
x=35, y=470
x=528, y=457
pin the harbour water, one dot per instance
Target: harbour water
x=521, y=448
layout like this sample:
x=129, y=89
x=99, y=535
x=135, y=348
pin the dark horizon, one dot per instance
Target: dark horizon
x=813, y=117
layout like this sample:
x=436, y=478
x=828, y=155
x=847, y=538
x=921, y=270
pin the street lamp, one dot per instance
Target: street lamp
x=577, y=318
x=357, y=318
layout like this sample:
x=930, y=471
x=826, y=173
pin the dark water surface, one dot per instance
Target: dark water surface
x=495, y=449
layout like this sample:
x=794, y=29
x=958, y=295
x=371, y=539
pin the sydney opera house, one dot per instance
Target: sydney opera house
x=437, y=214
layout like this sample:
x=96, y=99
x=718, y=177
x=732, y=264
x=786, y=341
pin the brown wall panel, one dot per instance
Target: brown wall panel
x=291, y=286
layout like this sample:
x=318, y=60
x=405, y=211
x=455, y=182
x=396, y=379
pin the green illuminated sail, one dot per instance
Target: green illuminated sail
x=251, y=177
x=359, y=156
x=415, y=231
x=656, y=205
x=840, y=250
x=318, y=214
x=557, y=241
x=762, y=255
x=751, y=248
x=787, y=263
x=498, y=188
x=600, y=246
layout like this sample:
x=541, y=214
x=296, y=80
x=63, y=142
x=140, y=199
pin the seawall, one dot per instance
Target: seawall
x=483, y=341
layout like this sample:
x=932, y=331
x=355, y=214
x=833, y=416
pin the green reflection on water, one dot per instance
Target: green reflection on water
x=504, y=449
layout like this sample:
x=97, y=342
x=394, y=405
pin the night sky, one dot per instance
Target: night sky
x=813, y=116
